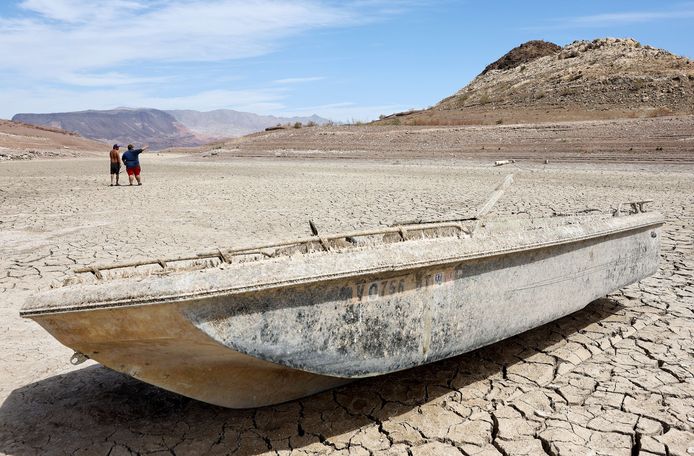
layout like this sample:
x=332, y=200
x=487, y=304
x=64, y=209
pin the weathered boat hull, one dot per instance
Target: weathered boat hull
x=306, y=330
x=158, y=345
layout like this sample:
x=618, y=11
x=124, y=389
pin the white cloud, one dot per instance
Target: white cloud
x=259, y=101
x=298, y=80
x=681, y=11
x=79, y=11
x=108, y=79
x=73, y=37
x=633, y=17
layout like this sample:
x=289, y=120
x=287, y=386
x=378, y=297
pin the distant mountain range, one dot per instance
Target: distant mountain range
x=160, y=129
x=225, y=123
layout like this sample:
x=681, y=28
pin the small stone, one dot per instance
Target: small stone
x=542, y=414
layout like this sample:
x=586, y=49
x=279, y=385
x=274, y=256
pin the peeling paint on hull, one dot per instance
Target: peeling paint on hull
x=266, y=332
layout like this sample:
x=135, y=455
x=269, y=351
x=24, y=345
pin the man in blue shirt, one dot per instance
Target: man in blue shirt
x=131, y=160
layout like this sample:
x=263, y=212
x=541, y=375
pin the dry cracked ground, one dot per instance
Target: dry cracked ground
x=616, y=378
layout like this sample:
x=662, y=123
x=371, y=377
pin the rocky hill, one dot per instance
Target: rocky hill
x=538, y=81
x=20, y=141
x=160, y=129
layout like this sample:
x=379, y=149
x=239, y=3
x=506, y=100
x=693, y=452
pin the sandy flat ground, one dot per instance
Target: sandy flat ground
x=614, y=378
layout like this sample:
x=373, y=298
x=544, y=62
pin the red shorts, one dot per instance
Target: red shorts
x=134, y=170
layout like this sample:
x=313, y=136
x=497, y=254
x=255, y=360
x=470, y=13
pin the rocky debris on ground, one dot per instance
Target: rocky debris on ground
x=10, y=154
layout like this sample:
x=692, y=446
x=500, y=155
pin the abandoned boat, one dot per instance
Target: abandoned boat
x=265, y=324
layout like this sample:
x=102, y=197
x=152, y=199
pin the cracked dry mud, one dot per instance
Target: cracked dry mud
x=616, y=378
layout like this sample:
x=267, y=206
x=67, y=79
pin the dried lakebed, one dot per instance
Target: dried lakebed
x=614, y=378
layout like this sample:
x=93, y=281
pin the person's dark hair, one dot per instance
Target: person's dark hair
x=130, y=146
x=116, y=146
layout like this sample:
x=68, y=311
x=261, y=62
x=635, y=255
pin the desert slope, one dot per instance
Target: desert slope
x=22, y=141
x=660, y=139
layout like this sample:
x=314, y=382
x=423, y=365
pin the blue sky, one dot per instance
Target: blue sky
x=345, y=60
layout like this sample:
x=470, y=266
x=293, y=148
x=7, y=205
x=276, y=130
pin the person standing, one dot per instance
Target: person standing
x=115, y=164
x=131, y=159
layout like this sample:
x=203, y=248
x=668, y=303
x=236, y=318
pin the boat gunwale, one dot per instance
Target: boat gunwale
x=223, y=254
x=235, y=290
